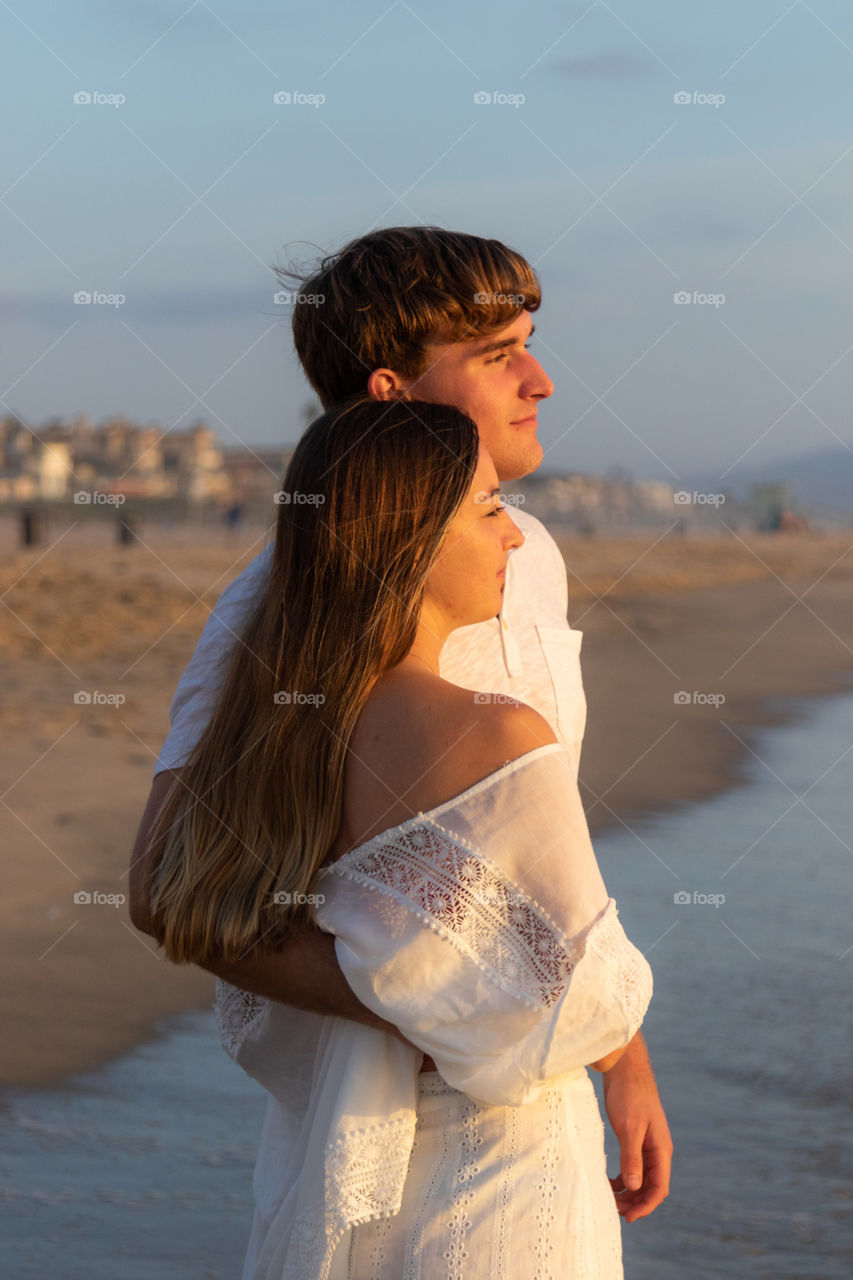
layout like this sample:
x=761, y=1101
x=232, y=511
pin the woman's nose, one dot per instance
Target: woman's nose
x=514, y=538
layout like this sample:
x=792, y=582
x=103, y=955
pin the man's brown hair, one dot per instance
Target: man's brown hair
x=380, y=299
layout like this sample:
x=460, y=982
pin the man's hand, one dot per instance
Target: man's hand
x=637, y=1118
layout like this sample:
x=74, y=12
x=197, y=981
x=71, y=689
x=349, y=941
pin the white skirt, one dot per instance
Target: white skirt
x=500, y=1193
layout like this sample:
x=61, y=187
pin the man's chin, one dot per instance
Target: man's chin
x=521, y=464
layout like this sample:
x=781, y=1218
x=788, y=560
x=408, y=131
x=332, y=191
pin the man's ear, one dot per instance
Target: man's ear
x=385, y=384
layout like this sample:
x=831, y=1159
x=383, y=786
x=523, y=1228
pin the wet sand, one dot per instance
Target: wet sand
x=750, y=617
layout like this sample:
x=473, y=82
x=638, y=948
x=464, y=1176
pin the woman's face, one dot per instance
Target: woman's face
x=466, y=583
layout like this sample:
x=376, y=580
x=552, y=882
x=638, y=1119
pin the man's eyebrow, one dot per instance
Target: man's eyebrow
x=484, y=350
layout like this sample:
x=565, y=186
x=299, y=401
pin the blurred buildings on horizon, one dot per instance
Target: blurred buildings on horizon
x=119, y=461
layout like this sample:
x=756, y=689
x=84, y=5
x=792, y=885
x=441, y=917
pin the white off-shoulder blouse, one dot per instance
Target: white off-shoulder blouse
x=483, y=930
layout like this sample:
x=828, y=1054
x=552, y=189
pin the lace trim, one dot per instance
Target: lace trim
x=471, y=903
x=629, y=969
x=365, y=1173
x=366, y=1169
x=238, y=1014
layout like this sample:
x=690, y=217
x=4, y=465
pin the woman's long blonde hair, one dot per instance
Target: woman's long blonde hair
x=367, y=500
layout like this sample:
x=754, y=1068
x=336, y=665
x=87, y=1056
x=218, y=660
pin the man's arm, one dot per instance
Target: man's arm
x=635, y=1112
x=305, y=973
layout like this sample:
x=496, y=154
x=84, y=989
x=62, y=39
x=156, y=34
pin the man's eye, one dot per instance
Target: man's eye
x=495, y=359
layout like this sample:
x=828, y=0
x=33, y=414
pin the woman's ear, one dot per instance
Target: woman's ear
x=385, y=384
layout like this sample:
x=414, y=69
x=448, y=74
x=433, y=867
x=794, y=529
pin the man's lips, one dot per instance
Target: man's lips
x=530, y=421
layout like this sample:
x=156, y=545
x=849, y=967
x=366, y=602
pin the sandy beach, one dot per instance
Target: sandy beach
x=687, y=643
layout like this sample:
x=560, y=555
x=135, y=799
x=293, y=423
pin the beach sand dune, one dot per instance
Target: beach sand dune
x=748, y=617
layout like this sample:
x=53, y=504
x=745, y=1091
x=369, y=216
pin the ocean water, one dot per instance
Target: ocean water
x=749, y=1027
x=144, y=1168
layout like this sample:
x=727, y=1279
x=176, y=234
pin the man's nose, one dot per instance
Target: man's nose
x=537, y=383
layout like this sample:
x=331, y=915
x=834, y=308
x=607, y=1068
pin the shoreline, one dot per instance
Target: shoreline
x=83, y=987
x=743, y=642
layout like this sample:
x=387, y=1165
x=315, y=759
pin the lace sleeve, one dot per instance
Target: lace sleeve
x=436, y=937
x=239, y=1015
x=430, y=873
x=630, y=974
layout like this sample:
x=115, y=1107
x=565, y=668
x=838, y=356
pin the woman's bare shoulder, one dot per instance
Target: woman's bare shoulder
x=425, y=743
x=421, y=741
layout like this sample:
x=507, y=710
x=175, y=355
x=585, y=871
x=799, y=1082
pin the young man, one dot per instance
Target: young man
x=444, y=317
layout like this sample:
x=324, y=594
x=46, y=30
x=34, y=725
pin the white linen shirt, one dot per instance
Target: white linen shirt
x=529, y=652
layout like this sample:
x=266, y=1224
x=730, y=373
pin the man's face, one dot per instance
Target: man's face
x=498, y=383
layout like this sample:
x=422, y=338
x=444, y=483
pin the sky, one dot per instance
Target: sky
x=174, y=190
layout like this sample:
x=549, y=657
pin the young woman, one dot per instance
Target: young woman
x=439, y=835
